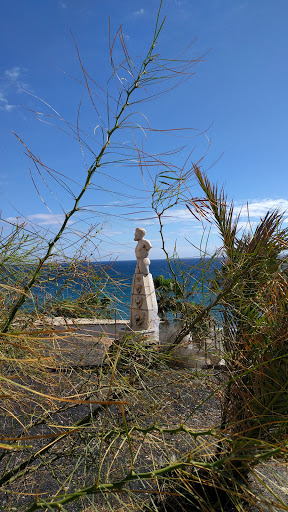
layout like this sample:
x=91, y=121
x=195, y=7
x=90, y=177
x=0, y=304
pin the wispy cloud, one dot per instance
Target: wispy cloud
x=62, y=5
x=46, y=219
x=246, y=225
x=140, y=12
x=11, y=81
x=259, y=208
x=176, y=3
x=14, y=78
x=40, y=219
x=4, y=103
x=112, y=232
x=13, y=73
x=179, y=215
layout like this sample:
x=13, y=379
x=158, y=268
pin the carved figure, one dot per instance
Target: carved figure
x=139, y=319
x=139, y=302
x=142, y=252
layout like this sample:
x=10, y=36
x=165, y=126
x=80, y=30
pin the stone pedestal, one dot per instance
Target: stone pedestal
x=143, y=308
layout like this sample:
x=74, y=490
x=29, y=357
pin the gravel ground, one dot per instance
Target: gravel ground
x=54, y=463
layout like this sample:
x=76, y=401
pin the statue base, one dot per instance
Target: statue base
x=143, y=307
x=144, y=320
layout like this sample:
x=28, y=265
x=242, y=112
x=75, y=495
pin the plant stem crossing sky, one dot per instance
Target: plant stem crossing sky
x=235, y=106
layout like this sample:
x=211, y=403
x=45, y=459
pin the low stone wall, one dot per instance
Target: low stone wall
x=83, y=342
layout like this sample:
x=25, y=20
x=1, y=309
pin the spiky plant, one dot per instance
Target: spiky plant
x=255, y=412
x=250, y=292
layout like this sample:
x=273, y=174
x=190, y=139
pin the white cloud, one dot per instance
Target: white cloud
x=111, y=232
x=13, y=73
x=40, y=219
x=46, y=219
x=246, y=225
x=259, y=208
x=179, y=215
x=2, y=97
x=140, y=12
x=9, y=107
x=63, y=5
x=14, y=220
x=11, y=82
x=4, y=104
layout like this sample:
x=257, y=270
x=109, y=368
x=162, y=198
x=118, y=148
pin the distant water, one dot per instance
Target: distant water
x=195, y=272
x=115, y=281
x=122, y=273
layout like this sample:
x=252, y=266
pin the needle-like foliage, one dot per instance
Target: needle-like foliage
x=103, y=421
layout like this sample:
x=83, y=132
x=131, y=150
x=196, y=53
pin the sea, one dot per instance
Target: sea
x=113, y=279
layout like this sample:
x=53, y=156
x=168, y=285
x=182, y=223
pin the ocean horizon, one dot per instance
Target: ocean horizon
x=113, y=279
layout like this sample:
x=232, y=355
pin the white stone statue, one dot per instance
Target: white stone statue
x=143, y=306
x=142, y=252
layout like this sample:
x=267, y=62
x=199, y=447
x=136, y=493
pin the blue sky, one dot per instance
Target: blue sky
x=236, y=102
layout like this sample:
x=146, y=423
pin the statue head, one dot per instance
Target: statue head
x=139, y=233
